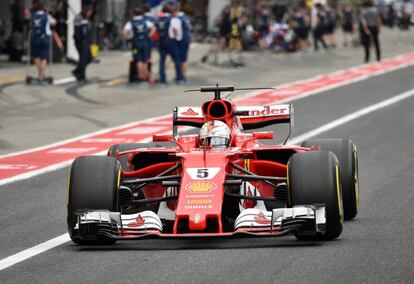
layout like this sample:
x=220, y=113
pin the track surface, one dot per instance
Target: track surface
x=376, y=247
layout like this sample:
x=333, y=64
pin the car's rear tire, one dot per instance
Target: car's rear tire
x=93, y=184
x=127, y=147
x=346, y=152
x=313, y=178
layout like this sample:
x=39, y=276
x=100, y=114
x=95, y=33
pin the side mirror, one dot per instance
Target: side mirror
x=162, y=138
x=263, y=135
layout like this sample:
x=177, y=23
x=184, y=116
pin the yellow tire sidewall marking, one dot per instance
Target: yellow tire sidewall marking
x=356, y=178
x=339, y=193
x=117, y=188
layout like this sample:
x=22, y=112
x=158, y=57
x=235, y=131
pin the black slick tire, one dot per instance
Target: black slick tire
x=346, y=152
x=313, y=178
x=93, y=184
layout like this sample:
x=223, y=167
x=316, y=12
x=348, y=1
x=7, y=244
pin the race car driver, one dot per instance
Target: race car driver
x=215, y=134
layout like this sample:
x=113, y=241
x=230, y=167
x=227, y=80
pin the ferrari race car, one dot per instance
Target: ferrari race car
x=219, y=182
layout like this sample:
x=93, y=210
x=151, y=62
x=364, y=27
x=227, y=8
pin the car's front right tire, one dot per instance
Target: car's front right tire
x=93, y=185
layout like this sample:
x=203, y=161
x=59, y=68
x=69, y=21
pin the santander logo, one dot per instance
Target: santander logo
x=267, y=110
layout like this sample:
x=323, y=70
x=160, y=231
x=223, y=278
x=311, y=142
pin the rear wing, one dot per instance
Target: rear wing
x=251, y=117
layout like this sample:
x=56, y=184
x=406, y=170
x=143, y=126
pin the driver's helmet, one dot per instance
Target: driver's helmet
x=215, y=134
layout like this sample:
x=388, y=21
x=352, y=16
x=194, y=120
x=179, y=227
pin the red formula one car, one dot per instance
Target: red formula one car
x=219, y=182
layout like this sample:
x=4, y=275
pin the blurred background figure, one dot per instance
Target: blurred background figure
x=224, y=24
x=41, y=39
x=149, y=16
x=302, y=24
x=83, y=42
x=236, y=11
x=406, y=13
x=184, y=43
x=139, y=30
x=319, y=29
x=390, y=15
x=167, y=45
x=330, y=24
x=347, y=21
x=235, y=41
x=175, y=33
x=370, y=28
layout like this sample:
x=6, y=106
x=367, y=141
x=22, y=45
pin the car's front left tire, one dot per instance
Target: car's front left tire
x=313, y=178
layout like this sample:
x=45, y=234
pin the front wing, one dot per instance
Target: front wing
x=299, y=220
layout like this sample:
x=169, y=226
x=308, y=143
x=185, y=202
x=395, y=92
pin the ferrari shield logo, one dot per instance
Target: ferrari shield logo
x=201, y=186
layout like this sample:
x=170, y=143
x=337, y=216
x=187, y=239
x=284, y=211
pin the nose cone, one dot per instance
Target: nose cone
x=201, y=193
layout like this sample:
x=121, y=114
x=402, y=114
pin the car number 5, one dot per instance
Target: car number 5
x=202, y=173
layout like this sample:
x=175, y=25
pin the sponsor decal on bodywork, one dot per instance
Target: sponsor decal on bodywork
x=201, y=186
x=198, y=206
x=138, y=222
x=190, y=112
x=199, y=201
x=262, y=219
x=268, y=110
x=203, y=173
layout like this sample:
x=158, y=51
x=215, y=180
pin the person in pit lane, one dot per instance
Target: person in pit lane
x=83, y=41
x=214, y=134
x=184, y=43
x=167, y=45
x=139, y=30
x=40, y=42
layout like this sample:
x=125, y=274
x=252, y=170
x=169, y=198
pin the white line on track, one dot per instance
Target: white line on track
x=64, y=81
x=30, y=252
x=351, y=116
x=50, y=244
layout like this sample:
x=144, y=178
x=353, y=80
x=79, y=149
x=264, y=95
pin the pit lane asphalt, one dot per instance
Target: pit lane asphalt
x=376, y=247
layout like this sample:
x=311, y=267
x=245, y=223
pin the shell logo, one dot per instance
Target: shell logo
x=201, y=186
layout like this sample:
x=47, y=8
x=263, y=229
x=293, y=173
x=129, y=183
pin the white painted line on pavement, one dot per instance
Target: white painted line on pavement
x=30, y=252
x=351, y=116
x=50, y=244
x=64, y=81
